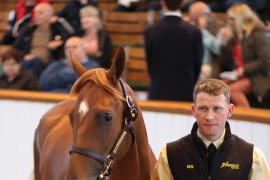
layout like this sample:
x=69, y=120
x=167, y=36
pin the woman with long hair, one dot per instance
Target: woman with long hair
x=96, y=40
x=247, y=54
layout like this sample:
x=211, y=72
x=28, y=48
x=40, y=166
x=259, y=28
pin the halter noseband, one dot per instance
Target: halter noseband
x=107, y=161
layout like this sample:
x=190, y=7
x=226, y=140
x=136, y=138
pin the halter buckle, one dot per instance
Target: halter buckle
x=132, y=108
x=104, y=174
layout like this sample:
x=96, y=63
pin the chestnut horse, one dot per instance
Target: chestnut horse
x=99, y=134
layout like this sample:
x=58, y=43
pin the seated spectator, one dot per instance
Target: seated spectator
x=14, y=77
x=59, y=76
x=19, y=18
x=201, y=16
x=95, y=39
x=247, y=56
x=43, y=41
x=71, y=12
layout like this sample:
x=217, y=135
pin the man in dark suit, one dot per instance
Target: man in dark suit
x=174, y=55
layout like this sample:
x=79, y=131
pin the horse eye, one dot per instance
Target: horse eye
x=106, y=118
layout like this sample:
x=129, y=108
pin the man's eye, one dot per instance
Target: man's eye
x=217, y=109
x=202, y=109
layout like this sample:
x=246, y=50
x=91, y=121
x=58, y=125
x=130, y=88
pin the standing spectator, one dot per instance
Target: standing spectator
x=59, y=76
x=71, y=12
x=43, y=41
x=247, y=55
x=14, y=77
x=95, y=38
x=174, y=55
x=211, y=151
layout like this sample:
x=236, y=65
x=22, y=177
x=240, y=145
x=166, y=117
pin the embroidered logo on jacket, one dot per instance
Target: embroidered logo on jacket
x=190, y=166
x=229, y=165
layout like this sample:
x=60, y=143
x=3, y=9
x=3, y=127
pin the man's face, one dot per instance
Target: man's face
x=42, y=14
x=211, y=113
x=74, y=46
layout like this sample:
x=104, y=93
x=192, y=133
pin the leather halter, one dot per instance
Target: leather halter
x=107, y=161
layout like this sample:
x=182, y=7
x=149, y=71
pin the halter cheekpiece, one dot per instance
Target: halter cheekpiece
x=107, y=161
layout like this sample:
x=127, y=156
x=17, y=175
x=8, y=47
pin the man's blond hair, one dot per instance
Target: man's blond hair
x=212, y=87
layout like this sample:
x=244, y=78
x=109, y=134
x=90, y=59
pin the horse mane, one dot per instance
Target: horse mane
x=99, y=77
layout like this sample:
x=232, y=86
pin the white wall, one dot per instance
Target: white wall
x=19, y=119
x=165, y=127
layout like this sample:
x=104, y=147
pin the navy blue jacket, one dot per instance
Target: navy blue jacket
x=174, y=55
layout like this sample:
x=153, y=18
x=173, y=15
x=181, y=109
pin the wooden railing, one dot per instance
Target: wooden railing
x=137, y=74
x=165, y=122
x=251, y=114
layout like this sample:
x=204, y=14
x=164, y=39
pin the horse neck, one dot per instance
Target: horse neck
x=142, y=144
x=137, y=162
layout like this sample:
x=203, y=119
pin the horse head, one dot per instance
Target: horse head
x=101, y=120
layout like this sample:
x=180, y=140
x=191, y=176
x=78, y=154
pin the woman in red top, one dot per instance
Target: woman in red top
x=247, y=55
x=24, y=7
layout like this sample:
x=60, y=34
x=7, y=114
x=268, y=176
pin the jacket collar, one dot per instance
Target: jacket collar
x=200, y=144
x=173, y=13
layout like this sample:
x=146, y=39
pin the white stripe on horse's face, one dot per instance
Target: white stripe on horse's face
x=83, y=108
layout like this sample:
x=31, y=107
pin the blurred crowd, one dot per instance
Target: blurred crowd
x=189, y=43
x=43, y=41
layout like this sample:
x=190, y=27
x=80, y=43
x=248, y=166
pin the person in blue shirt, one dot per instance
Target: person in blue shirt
x=59, y=76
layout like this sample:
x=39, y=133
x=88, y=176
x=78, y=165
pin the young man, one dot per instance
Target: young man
x=211, y=151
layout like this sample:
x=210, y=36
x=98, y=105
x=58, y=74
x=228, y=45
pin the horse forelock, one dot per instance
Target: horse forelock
x=99, y=77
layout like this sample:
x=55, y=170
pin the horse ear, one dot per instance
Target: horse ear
x=118, y=65
x=78, y=68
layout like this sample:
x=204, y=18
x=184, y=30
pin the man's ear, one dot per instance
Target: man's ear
x=230, y=108
x=193, y=109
